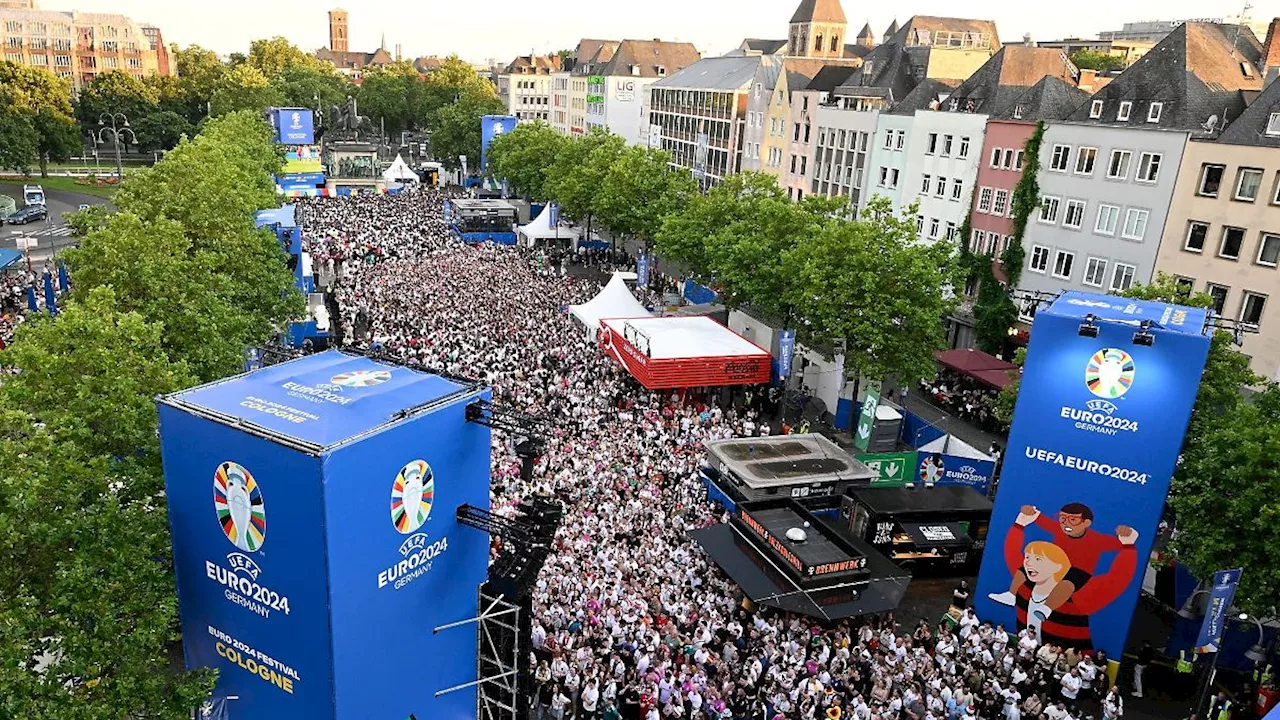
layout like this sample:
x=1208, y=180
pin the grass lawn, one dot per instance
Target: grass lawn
x=64, y=184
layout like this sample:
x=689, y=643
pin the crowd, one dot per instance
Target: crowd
x=964, y=398
x=630, y=619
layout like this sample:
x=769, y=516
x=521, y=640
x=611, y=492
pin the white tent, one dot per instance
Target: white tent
x=952, y=445
x=400, y=173
x=614, y=301
x=541, y=229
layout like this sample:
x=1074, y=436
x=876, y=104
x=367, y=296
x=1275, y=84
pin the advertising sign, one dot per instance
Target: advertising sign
x=625, y=90
x=895, y=469
x=700, y=155
x=1215, y=618
x=492, y=126
x=867, y=419
x=294, y=126
x=299, y=181
x=553, y=212
x=642, y=270
x=940, y=469
x=1107, y=392
x=303, y=159
x=786, y=352
x=655, y=137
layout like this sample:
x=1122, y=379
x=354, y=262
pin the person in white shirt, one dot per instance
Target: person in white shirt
x=1071, y=684
x=1113, y=705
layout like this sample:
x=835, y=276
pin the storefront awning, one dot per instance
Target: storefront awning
x=938, y=535
x=767, y=585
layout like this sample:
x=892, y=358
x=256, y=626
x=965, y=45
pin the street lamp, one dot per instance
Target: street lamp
x=115, y=124
x=1256, y=652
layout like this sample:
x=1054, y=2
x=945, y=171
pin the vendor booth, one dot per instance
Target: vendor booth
x=399, y=175
x=940, y=528
x=798, y=466
x=679, y=352
x=614, y=301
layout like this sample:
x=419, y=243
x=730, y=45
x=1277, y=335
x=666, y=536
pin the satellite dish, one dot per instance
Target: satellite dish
x=1211, y=124
x=797, y=535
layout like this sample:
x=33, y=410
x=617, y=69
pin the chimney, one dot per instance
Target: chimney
x=397, y=52
x=1028, y=41
x=1271, y=49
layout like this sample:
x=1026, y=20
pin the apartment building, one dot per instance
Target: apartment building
x=78, y=45
x=808, y=139
x=615, y=88
x=1108, y=173
x=525, y=85
x=588, y=55
x=1222, y=235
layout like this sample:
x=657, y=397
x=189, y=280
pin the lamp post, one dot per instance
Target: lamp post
x=116, y=124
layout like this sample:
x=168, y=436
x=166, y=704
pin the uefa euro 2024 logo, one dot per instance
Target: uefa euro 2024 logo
x=412, y=496
x=239, y=505
x=1109, y=373
x=361, y=378
x=296, y=119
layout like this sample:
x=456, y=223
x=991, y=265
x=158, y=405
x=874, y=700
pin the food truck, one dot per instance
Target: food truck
x=938, y=529
x=792, y=466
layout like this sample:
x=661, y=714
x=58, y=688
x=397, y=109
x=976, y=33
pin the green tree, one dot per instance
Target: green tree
x=312, y=87
x=639, y=190
x=524, y=157
x=200, y=75
x=1096, y=60
x=457, y=129
x=116, y=91
x=392, y=96
x=580, y=170
x=869, y=289
x=161, y=130
x=46, y=100
x=18, y=139
x=273, y=56
x=244, y=87
x=454, y=80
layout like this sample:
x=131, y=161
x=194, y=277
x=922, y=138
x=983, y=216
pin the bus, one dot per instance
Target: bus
x=33, y=194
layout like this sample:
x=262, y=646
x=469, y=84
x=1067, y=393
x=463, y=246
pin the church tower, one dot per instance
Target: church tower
x=817, y=30
x=338, y=30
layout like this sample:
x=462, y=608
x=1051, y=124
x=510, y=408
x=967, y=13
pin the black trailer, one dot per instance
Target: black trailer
x=937, y=529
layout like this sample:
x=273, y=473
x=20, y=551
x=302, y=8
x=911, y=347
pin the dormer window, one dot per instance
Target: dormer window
x=1246, y=69
x=1273, y=124
x=1125, y=107
x=635, y=70
x=1095, y=110
x=955, y=103
x=1018, y=110
x=1153, y=112
x=662, y=71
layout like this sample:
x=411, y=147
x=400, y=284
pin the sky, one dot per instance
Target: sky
x=502, y=29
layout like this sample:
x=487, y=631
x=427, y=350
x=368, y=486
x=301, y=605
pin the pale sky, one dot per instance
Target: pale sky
x=502, y=29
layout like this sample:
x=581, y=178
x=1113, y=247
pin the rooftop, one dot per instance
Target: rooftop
x=731, y=72
x=1008, y=74
x=647, y=56
x=820, y=11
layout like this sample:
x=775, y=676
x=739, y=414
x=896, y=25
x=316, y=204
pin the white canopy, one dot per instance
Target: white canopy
x=400, y=172
x=698, y=336
x=952, y=445
x=614, y=301
x=541, y=229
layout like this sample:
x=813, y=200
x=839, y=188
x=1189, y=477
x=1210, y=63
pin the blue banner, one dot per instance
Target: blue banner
x=553, y=218
x=699, y=294
x=50, y=297
x=942, y=469
x=492, y=126
x=294, y=126
x=300, y=181
x=1215, y=618
x=642, y=270
x=786, y=352
x=1107, y=392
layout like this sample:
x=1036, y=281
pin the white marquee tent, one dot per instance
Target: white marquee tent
x=541, y=229
x=399, y=173
x=614, y=301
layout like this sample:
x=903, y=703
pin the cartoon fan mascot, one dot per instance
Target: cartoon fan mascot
x=1055, y=585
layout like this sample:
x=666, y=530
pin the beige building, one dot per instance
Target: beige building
x=525, y=85
x=77, y=45
x=1222, y=235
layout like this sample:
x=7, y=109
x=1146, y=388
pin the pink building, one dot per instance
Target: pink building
x=999, y=171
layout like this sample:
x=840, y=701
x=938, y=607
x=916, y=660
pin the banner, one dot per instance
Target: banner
x=642, y=270
x=294, y=126
x=288, y=182
x=1106, y=395
x=941, y=469
x=867, y=420
x=492, y=126
x=894, y=468
x=553, y=211
x=1215, y=618
x=786, y=352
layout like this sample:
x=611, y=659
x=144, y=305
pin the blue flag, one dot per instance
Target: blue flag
x=31, y=299
x=50, y=297
x=1215, y=618
x=786, y=351
x=642, y=271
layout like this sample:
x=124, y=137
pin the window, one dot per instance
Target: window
x=946, y=145
x=979, y=236
x=1095, y=272
x=1232, y=239
x=934, y=225
x=940, y=189
x=1153, y=112
x=1219, y=294
x=1185, y=286
x=1118, y=168
x=919, y=224
x=884, y=177
x=1247, y=182
x=932, y=147
x=1125, y=107
x=1007, y=162
x=1273, y=123
x=1095, y=110
x=1122, y=278
x=1001, y=204
x=1210, y=179
x=893, y=178
x=888, y=139
x=1061, y=156
x=1039, y=259
x=957, y=188
x=964, y=147
x=1085, y=157
x=1196, y=234
x=795, y=135
x=951, y=231
x=1268, y=250
x=1062, y=264
x=1251, y=308
x=1049, y=209
x=804, y=164
x=1073, y=216
x=926, y=183
x=1017, y=161
x=996, y=154
x=984, y=200
x=1149, y=167
x=793, y=164
x=1108, y=217
x=900, y=140
x=1135, y=224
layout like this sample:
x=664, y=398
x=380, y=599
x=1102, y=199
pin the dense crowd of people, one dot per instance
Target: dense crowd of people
x=963, y=397
x=631, y=620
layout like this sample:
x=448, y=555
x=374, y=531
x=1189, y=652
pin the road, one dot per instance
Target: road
x=53, y=234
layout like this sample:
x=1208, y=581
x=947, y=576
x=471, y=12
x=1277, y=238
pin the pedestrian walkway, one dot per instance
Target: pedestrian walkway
x=58, y=231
